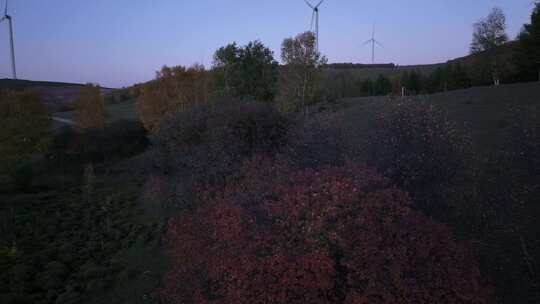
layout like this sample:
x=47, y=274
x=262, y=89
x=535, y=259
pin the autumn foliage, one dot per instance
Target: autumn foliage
x=24, y=125
x=300, y=75
x=210, y=142
x=331, y=235
x=90, y=108
x=174, y=89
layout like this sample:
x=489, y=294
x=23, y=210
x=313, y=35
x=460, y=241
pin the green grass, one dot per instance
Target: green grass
x=115, y=112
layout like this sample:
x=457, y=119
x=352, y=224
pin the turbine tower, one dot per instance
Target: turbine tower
x=373, y=41
x=315, y=18
x=12, y=47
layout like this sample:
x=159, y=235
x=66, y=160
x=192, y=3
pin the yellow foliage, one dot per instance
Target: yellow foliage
x=174, y=89
x=90, y=108
x=24, y=125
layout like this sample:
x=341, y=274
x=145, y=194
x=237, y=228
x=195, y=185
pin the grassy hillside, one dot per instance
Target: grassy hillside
x=504, y=54
x=57, y=96
x=484, y=111
x=20, y=84
x=115, y=112
x=345, y=80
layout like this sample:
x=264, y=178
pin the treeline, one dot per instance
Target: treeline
x=414, y=82
x=494, y=60
x=249, y=73
x=349, y=65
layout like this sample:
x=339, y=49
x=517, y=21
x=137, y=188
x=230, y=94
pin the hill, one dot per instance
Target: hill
x=57, y=96
x=504, y=54
x=485, y=112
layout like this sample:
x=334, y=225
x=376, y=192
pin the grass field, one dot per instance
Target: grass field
x=115, y=112
x=485, y=112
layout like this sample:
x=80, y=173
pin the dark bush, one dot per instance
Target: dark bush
x=422, y=152
x=334, y=235
x=212, y=141
x=320, y=141
x=118, y=140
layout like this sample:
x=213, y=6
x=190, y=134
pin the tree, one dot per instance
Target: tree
x=490, y=32
x=300, y=77
x=383, y=86
x=24, y=125
x=174, y=89
x=528, y=54
x=366, y=87
x=90, y=108
x=413, y=81
x=459, y=77
x=248, y=72
x=437, y=81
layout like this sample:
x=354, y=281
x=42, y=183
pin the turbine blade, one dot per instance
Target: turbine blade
x=319, y=4
x=378, y=43
x=309, y=4
x=5, y=10
x=367, y=42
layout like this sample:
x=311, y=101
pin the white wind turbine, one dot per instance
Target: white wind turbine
x=315, y=18
x=373, y=41
x=10, y=23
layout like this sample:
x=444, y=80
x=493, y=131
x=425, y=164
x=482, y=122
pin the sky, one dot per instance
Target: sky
x=118, y=43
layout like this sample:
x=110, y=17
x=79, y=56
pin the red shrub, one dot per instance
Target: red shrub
x=336, y=235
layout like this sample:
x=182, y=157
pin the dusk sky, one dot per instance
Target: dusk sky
x=120, y=42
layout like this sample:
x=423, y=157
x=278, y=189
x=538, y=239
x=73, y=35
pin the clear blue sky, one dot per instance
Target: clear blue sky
x=120, y=42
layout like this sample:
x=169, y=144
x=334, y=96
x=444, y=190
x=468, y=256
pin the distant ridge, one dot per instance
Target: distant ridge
x=20, y=84
x=349, y=65
x=504, y=52
x=57, y=96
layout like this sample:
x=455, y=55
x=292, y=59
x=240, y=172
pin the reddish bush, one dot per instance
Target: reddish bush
x=334, y=235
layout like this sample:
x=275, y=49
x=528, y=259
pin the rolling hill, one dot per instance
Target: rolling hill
x=57, y=96
x=504, y=54
x=484, y=112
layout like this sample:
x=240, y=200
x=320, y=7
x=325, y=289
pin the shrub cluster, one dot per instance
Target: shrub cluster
x=211, y=141
x=24, y=125
x=332, y=235
x=493, y=199
x=118, y=140
x=59, y=248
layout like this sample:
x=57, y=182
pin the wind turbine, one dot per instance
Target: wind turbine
x=315, y=18
x=10, y=23
x=373, y=41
